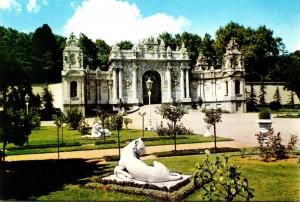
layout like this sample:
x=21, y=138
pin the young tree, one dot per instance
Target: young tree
x=262, y=98
x=125, y=45
x=117, y=121
x=174, y=113
x=103, y=115
x=277, y=95
x=213, y=117
x=47, y=99
x=127, y=121
x=251, y=99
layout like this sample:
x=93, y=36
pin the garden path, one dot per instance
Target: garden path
x=89, y=154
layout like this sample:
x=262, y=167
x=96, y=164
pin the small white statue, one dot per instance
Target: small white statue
x=98, y=131
x=131, y=167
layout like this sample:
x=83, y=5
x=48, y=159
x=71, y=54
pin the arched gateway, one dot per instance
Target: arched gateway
x=169, y=69
x=156, y=87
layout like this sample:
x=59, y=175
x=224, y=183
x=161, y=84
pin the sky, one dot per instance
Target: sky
x=134, y=20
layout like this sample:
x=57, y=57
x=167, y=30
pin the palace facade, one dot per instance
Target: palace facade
x=169, y=70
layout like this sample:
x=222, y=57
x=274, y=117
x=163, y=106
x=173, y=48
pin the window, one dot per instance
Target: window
x=237, y=87
x=226, y=88
x=73, y=89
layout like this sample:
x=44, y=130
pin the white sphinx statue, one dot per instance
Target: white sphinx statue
x=98, y=131
x=131, y=167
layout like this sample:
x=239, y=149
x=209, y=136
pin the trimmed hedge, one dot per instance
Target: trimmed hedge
x=45, y=146
x=99, y=142
x=194, y=151
x=178, y=195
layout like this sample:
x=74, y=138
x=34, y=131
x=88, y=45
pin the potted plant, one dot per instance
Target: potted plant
x=264, y=120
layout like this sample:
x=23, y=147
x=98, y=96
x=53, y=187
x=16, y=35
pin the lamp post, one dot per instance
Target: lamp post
x=142, y=114
x=149, y=83
x=27, y=102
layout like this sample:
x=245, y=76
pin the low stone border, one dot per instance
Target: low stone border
x=163, y=186
x=177, y=195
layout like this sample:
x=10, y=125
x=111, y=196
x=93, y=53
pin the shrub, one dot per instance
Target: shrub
x=127, y=121
x=220, y=181
x=275, y=105
x=35, y=119
x=168, y=131
x=270, y=146
x=264, y=114
x=73, y=117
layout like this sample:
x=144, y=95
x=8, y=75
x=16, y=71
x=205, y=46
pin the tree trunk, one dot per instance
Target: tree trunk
x=119, y=143
x=57, y=142
x=174, y=133
x=215, y=136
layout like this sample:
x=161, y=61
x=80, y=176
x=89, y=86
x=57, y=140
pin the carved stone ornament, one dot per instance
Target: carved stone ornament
x=72, y=40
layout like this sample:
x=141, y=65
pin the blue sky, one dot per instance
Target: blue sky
x=115, y=20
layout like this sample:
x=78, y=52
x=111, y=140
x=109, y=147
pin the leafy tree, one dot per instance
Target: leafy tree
x=262, y=99
x=47, y=100
x=117, y=121
x=207, y=48
x=174, y=113
x=169, y=40
x=259, y=47
x=46, y=55
x=192, y=43
x=125, y=45
x=277, y=96
x=127, y=121
x=292, y=101
x=290, y=71
x=103, y=51
x=73, y=116
x=103, y=116
x=251, y=100
x=89, y=50
x=220, y=181
x=213, y=117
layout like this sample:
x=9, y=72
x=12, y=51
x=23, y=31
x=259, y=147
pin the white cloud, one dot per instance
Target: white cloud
x=32, y=6
x=10, y=4
x=114, y=20
x=45, y=2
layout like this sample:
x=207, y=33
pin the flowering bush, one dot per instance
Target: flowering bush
x=161, y=130
x=270, y=146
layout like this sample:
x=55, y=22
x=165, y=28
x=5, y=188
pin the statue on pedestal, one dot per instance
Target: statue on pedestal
x=131, y=167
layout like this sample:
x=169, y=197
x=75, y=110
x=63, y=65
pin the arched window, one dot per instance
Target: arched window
x=73, y=89
x=237, y=87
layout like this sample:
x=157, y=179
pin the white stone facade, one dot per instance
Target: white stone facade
x=173, y=80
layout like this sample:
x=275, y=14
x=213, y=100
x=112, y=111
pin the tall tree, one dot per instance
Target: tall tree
x=46, y=56
x=89, y=49
x=103, y=51
x=251, y=99
x=125, y=45
x=192, y=43
x=47, y=99
x=208, y=50
x=262, y=94
x=174, y=113
x=277, y=96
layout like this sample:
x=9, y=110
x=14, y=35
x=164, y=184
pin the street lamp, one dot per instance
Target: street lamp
x=27, y=102
x=149, y=87
x=142, y=114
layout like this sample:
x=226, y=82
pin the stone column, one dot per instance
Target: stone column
x=199, y=90
x=169, y=94
x=114, y=84
x=134, y=82
x=182, y=82
x=120, y=84
x=187, y=83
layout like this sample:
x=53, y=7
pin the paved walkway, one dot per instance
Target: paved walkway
x=89, y=154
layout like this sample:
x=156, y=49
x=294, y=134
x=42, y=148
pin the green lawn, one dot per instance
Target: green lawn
x=45, y=140
x=271, y=181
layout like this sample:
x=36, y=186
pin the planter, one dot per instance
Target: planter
x=264, y=125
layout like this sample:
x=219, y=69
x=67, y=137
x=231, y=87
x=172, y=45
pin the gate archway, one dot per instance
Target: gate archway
x=156, y=87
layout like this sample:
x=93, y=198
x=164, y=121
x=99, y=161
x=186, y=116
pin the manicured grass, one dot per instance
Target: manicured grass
x=271, y=181
x=48, y=136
